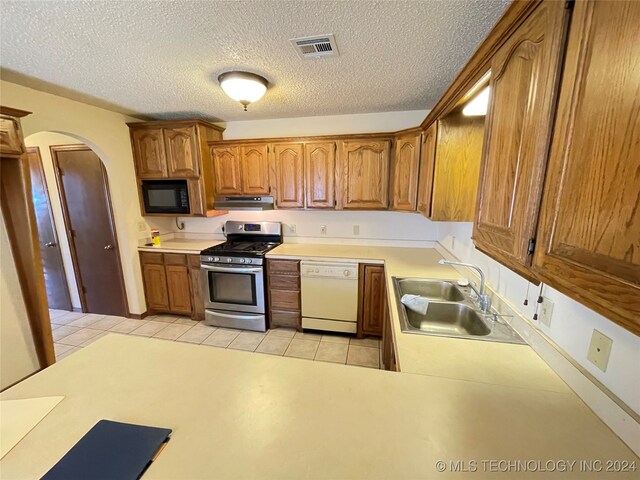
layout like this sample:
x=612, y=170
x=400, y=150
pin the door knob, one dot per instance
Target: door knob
x=108, y=247
x=50, y=244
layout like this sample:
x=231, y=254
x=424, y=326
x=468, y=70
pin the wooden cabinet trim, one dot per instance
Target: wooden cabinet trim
x=175, y=259
x=151, y=258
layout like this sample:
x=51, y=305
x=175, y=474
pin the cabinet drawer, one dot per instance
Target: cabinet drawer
x=281, y=318
x=284, y=282
x=285, y=300
x=175, y=259
x=283, y=267
x=147, y=258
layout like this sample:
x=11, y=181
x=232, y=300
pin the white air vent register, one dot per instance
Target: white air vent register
x=316, y=47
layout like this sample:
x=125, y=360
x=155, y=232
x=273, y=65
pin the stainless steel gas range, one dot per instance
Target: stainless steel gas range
x=233, y=275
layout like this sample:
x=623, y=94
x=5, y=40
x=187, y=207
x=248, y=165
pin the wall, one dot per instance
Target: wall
x=44, y=140
x=107, y=134
x=571, y=325
x=18, y=357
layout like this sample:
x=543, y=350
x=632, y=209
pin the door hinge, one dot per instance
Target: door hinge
x=72, y=232
x=532, y=246
x=84, y=289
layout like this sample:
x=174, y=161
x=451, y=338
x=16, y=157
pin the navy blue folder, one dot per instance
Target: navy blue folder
x=110, y=450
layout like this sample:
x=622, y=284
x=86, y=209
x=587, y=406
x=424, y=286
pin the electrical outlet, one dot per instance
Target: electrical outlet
x=292, y=228
x=599, y=350
x=323, y=229
x=356, y=229
x=546, y=310
x=142, y=226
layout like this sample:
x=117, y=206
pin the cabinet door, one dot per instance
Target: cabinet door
x=319, y=168
x=365, y=175
x=588, y=243
x=372, y=300
x=289, y=175
x=181, y=147
x=388, y=347
x=455, y=176
x=404, y=171
x=226, y=170
x=178, y=287
x=255, y=169
x=427, y=163
x=155, y=287
x=10, y=136
x=149, y=152
x=197, y=297
x=524, y=75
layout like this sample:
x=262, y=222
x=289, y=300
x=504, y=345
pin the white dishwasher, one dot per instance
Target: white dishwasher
x=329, y=296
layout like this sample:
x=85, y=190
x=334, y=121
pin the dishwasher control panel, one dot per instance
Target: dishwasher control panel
x=329, y=269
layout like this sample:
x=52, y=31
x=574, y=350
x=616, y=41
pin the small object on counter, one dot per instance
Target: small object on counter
x=463, y=282
x=155, y=237
x=416, y=303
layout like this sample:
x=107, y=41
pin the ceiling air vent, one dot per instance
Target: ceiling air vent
x=316, y=47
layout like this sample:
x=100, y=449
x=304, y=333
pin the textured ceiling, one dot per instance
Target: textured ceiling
x=162, y=58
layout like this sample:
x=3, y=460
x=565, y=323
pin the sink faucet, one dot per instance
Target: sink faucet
x=483, y=299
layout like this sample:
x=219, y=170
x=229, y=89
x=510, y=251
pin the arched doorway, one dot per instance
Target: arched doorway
x=82, y=216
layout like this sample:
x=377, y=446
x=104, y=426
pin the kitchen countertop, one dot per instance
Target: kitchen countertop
x=182, y=245
x=475, y=360
x=245, y=415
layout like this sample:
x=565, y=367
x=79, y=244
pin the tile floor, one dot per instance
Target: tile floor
x=72, y=331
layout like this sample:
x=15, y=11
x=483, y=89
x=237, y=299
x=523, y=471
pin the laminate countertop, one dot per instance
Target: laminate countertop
x=181, y=245
x=238, y=414
x=464, y=359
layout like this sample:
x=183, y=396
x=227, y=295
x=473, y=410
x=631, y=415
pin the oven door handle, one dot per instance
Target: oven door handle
x=231, y=269
x=239, y=317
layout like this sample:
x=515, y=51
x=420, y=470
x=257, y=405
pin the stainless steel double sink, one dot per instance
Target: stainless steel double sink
x=452, y=312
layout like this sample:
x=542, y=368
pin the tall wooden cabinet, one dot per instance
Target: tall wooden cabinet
x=524, y=76
x=588, y=243
x=404, y=172
x=363, y=174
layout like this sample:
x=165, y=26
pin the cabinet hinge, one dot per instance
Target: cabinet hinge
x=532, y=246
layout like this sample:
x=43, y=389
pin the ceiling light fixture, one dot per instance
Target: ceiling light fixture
x=477, y=106
x=243, y=87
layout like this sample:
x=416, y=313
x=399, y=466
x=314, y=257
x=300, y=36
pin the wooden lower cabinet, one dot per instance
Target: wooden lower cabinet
x=371, y=300
x=389, y=361
x=167, y=283
x=197, y=289
x=283, y=283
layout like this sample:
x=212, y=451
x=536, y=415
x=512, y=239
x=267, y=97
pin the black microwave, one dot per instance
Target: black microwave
x=165, y=196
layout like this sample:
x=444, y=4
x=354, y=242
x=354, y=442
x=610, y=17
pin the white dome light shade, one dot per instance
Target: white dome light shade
x=477, y=106
x=243, y=87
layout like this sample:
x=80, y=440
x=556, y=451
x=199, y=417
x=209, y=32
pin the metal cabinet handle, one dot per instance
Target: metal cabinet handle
x=50, y=244
x=108, y=247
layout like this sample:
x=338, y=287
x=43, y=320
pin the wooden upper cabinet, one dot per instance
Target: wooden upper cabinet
x=364, y=175
x=255, y=169
x=289, y=163
x=588, y=243
x=10, y=136
x=226, y=170
x=319, y=168
x=455, y=177
x=427, y=163
x=149, y=152
x=181, y=147
x=524, y=75
x=404, y=172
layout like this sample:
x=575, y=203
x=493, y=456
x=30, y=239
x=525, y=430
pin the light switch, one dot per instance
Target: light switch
x=323, y=229
x=292, y=228
x=356, y=229
x=599, y=350
x=546, y=310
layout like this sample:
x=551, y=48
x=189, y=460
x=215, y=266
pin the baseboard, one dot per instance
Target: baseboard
x=77, y=309
x=140, y=316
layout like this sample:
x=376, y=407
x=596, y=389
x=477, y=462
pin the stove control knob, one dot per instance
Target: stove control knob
x=214, y=259
x=229, y=260
x=242, y=260
x=248, y=260
x=210, y=259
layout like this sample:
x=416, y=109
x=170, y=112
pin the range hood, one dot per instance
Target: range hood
x=244, y=203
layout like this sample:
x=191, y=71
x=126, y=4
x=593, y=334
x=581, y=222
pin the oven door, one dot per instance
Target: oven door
x=233, y=288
